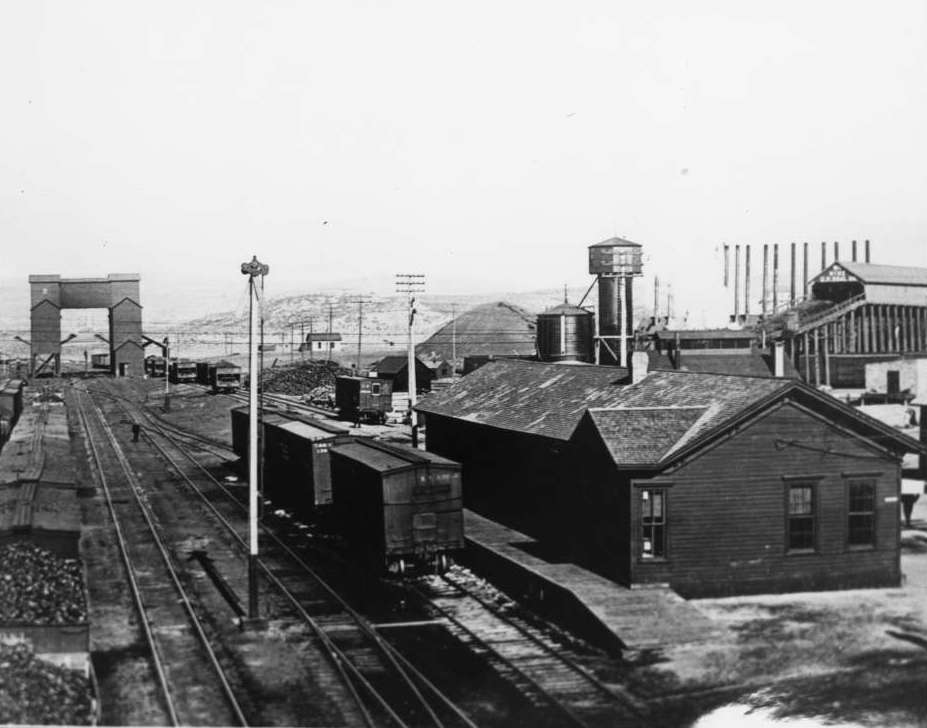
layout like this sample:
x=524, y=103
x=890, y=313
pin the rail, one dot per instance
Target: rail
x=157, y=657
x=343, y=663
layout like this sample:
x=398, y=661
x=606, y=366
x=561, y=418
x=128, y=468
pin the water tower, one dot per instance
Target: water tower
x=614, y=263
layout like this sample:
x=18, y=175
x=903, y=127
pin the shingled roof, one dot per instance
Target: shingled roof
x=533, y=397
x=640, y=436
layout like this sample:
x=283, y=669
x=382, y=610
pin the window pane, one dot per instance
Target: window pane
x=657, y=501
x=800, y=500
x=861, y=497
x=861, y=530
x=801, y=532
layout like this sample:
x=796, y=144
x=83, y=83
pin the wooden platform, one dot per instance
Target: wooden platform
x=607, y=613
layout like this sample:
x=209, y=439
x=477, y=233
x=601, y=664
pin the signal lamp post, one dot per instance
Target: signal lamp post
x=411, y=283
x=253, y=270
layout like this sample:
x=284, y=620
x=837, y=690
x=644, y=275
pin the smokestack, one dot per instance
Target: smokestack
x=853, y=251
x=736, y=282
x=656, y=299
x=804, y=287
x=823, y=255
x=778, y=359
x=765, y=276
x=775, y=276
x=836, y=251
x=866, y=244
x=746, y=280
x=727, y=263
x=792, y=279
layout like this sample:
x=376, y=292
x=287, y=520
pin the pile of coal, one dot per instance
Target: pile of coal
x=39, y=587
x=33, y=692
x=301, y=378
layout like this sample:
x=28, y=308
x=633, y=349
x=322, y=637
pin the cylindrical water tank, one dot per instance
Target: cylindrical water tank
x=565, y=334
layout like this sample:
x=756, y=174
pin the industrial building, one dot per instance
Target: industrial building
x=905, y=377
x=498, y=328
x=714, y=484
x=118, y=293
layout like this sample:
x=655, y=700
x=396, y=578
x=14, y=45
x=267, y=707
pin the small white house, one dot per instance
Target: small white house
x=897, y=375
x=322, y=343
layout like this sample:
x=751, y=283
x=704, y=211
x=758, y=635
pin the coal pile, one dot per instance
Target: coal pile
x=301, y=378
x=33, y=692
x=38, y=587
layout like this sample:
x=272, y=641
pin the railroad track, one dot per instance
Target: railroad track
x=553, y=680
x=387, y=688
x=181, y=651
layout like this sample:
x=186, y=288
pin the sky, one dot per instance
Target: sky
x=484, y=144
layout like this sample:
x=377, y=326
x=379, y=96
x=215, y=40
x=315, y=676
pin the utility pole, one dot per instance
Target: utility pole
x=253, y=270
x=311, y=342
x=454, y=337
x=410, y=284
x=331, y=313
x=167, y=370
x=360, y=330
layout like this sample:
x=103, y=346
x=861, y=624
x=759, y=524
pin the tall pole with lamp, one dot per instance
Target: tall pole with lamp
x=253, y=269
x=411, y=283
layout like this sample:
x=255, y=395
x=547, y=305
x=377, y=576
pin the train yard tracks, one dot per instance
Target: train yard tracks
x=180, y=649
x=407, y=670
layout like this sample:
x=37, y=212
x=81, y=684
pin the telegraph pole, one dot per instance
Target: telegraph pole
x=410, y=284
x=253, y=270
x=454, y=338
x=360, y=330
x=167, y=377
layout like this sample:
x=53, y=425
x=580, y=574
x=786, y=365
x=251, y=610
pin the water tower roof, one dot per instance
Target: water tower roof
x=565, y=309
x=612, y=242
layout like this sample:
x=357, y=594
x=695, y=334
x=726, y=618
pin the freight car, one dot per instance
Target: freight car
x=182, y=370
x=11, y=400
x=397, y=504
x=154, y=366
x=222, y=376
x=297, y=474
x=100, y=360
x=363, y=398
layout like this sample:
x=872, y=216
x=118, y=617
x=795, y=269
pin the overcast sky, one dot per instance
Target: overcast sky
x=483, y=144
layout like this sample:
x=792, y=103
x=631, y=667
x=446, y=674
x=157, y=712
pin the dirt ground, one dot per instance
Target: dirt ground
x=844, y=658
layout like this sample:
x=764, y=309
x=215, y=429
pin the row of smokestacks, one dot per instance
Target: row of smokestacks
x=770, y=303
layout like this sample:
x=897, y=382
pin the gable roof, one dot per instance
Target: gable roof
x=524, y=396
x=886, y=274
x=639, y=436
x=743, y=362
x=393, y=364
x=668, y=414
x=323, y=337
x=698, y=334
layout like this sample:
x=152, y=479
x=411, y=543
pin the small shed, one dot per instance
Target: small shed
x=395, y=369
x=906, y=373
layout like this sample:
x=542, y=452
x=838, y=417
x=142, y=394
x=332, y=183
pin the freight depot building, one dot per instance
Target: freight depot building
x=713, y=484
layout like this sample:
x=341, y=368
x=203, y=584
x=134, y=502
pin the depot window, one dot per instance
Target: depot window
x=653, y=523
x=861, y=512
x=800, y=521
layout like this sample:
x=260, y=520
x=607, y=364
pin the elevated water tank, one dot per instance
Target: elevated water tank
x=565, y=333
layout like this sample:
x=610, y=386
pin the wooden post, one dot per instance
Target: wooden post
x=817, y=358
x=807, y=358
x=828, y=333
x=854, y=334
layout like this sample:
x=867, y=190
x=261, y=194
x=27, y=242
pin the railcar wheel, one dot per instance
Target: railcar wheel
x=441, y=563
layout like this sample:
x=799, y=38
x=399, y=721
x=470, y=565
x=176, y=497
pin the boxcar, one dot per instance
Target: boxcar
x=297, y=473
x=183, y=370
x=366, y=398
x=11, y=400
x=100, y=360
x=154, y=366
x=397, y=504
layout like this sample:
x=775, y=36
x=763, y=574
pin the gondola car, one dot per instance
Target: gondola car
x=398, y=505
x=296, y=458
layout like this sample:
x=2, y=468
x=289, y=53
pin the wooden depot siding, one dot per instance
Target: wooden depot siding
x=512, y=477
x=726, y=512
